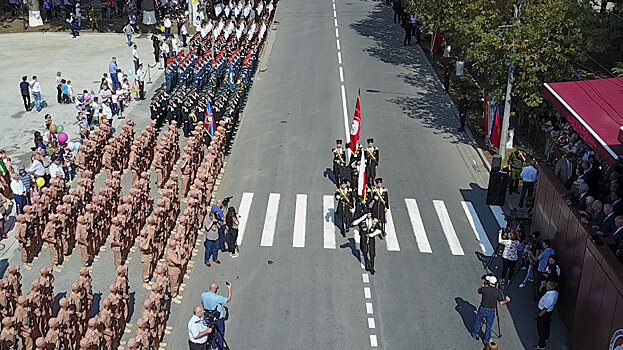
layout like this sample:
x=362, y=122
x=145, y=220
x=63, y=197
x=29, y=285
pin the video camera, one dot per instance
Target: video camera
x=210, y=316
x=226, y=200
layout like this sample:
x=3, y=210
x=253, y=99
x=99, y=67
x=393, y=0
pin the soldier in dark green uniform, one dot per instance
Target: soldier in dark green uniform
x=515, y=162
x=378, y=198
x=345, y=203
x=372, y=161
x=339, y=162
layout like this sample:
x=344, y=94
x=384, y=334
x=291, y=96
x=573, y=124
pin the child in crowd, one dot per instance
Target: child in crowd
x=70, y=91
x=65, y=96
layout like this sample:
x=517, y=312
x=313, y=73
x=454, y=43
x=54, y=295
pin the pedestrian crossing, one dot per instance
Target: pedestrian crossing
x=250, y=205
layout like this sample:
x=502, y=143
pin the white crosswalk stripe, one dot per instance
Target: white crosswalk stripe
x=328, y=236
x=300, y=217
x=243, y=211
x=448, y=229
x=270, y=222
x=391, y=240
x=419, y=224
x=479, y=231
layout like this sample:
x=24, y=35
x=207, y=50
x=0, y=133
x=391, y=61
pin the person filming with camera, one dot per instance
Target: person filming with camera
x=214, y=302
x=491, y=296
x=198, y=331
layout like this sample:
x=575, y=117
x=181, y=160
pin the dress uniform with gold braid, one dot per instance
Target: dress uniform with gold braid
x=378, y=197
x=369, y=228
x=345, y=203
x=339, y=162
x=372, y=161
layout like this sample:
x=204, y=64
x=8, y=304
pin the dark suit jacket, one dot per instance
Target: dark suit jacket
x=598, y=218
x=607, y=226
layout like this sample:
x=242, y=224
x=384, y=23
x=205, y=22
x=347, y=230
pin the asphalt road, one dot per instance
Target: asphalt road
x=293, y=290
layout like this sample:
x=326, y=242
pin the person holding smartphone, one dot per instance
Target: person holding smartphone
x=212, y=301
x=211, y=226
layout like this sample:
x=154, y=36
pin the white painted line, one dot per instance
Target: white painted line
x=341, y=74
x=391, y=239
x=358, y=246
x=448, y=229
x=337, y=33
x=373, y=341
x=479, y=231
x=334, y=13
x=365, y=277
x=498, y=212
x=328, y=224
x=369, y=309
x=338, y=44
x=371, y=324
x=366, y=292
x=270, y=221
x=298, y=237
x=243, y=211
x=339, y=57
x=335, y=22
x=345, y=111
x=418, y=226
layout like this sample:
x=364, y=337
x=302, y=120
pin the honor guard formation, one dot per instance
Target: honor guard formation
x=202, y=95
x=361, y=198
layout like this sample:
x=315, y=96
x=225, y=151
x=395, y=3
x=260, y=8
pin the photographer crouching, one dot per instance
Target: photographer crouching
x=198, y=331
x=213, y=310
x=491, y=296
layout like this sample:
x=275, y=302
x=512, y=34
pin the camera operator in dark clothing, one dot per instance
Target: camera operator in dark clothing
x=198, y=331
x=491, y=296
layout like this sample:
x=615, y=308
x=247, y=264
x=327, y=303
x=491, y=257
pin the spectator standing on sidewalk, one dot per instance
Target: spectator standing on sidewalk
x=140, y=78
x=128, y=30
x=35, y=88
x=212, y=227
x=529, y=176
x=26, y=179
x=544, y=318
x=135, y=57
x=509, y=255
x=24, y=89
x=217, y=209
x=19, y=193
x=231, y=221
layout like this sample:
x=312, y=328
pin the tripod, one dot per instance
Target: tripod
x=219, y=333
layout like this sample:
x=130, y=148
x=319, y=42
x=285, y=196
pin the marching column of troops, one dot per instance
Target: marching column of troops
x=166, y=154
x=364, y=207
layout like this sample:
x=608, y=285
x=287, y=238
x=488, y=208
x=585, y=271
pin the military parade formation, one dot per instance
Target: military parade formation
x=362, y=200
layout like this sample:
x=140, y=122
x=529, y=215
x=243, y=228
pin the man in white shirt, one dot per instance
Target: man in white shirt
x=529, y=176
x=36, y=168
x=197, y=330
x=55, y=167
x=135, y=57
x=107, y=111
x=35, y=88
x=546, y=307
x=19, y=193
x=167, y=26
x=140, y=77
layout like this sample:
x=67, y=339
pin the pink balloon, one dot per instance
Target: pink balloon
x=62, y=137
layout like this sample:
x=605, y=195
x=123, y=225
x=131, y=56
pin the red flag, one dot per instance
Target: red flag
x=356, y=126
x=485, y=112
x=495, y=133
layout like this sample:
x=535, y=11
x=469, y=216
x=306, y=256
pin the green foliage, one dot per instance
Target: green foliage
x=546, y=43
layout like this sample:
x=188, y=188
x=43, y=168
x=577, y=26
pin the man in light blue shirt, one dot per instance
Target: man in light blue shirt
x=529, y=176
x=112, y=70
x=211, y=301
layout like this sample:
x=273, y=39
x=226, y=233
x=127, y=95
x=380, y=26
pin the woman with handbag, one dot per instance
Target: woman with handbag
x=231, y=221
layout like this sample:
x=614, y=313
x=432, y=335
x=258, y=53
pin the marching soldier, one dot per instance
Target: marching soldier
x=369, y=228
x=339, y=162
x=379, y=200
x=345, y=202
x=372, y=161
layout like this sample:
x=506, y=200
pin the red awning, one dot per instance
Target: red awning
x=594, y=108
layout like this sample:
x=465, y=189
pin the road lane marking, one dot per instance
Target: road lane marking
x=418, y=226
x=334, y=13
x=337, y=33
x=298, y=237
x=479, y=231
x=339, y=57
x=338, y=44
x=335, y=22
x=390, y=239
x=371, y=324
x=498, y=212
x=373, y=341
x=369, y=309
x=270, y=221
x=328, y=224
x=366, y=292
x=345, y=111
x=333, y=7
x=243, y=211
x=448, y=229
x=365, y=277
x=341, y=74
